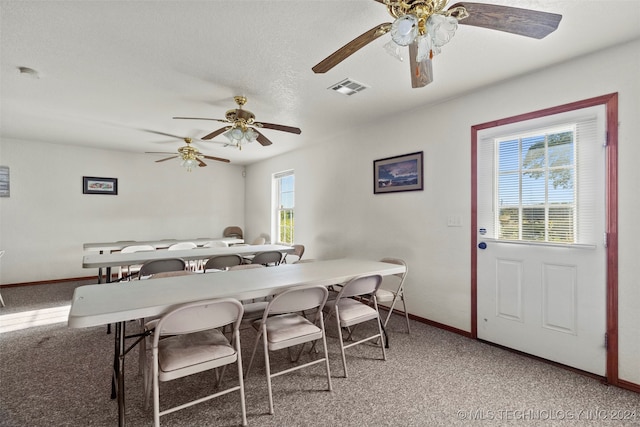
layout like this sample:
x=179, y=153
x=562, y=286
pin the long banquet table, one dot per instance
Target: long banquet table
x=108, y=247
x=119, y=259
x=94, y=305
x=158, y=244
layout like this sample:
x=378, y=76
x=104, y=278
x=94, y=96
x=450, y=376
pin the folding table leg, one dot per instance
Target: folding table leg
x=117, y=381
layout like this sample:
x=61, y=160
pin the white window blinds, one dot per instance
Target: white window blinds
x=536, y=181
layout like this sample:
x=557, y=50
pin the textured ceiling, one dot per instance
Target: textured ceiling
x=111, y=71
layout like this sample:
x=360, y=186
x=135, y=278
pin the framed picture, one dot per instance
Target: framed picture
x=399, y=173
x=95, y=185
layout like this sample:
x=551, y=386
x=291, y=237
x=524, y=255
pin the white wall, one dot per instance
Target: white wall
x=47, y=218
x=338, y=215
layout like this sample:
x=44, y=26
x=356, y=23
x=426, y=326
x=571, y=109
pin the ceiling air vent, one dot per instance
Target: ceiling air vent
x=348, y=87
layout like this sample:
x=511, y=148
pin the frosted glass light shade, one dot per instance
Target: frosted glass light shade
x=404, y=30
x=250, y=135
x=441, y=29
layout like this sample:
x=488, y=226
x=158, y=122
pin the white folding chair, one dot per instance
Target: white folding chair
x=282, y=327
x=350, y=312
x=156, y=266
x=191, y=344
x=386, y=294
x=267, y=258
x=298, y=251
x=222, y=262
x=181, y=246
x=126, y=271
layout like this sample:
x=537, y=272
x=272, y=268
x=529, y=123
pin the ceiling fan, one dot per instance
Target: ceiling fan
x=189, y=154
x=425, y=26
x=242, y=126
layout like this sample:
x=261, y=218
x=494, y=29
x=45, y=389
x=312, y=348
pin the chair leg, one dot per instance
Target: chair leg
x=267, y=367
x=220, y=375
x=253, y=354
x=240, y=379
x=156, y=390
x=406, y=315
x=404, y=306
x=344, y=359
x=326, y=354
x=382, y=341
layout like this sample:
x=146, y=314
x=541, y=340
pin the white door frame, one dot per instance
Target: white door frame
x=610, y=101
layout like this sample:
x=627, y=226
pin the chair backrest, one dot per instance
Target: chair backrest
x=400, y=276
x=216, y=243
x=137, y=248
x=200, y=316
x=171, y=274
x=259, y=241
x=245, y=266
x=298, y=298
x=267, y=258
x=233, y=231
x=181, y=246
x=298, y=250
x=161, y=265
x=222, y=262
x=361, y=285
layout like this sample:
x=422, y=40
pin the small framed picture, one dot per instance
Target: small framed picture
x=399, y=173
x=95, y=185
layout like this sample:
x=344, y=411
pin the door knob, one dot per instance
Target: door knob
x=482, y=245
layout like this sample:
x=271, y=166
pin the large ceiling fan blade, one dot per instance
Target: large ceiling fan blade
x=262, y=139
x=201, y=118
x=220, y=159
x=421, y=72
x=350, y=48
x=158, y=152
x=170, y=135
x=282, y=128
x=524, y=22
x=216, y=132
x=168, y=158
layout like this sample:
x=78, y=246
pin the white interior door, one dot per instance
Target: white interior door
x=541, y=257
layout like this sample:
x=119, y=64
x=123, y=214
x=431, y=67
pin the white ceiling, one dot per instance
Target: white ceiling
x=108, y=70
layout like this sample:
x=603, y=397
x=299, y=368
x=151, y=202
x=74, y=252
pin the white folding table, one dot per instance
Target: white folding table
x=108, y=247
x=158, y=244
x=120, y=259
x=94, y=305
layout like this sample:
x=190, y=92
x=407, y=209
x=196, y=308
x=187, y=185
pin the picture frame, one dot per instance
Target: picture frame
x=398, y=173
x=96, y=185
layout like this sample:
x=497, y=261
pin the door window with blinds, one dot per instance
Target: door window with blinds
x=284, y=192
x=541, y=181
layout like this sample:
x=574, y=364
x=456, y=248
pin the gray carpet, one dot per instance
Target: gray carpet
x=55, y=376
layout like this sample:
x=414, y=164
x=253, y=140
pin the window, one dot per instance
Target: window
x=536, y=181
x=284, y=184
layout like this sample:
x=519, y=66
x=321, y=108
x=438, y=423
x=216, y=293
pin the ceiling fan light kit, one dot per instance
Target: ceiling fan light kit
x=241, y=128
x=425, y=26
x=189, y=155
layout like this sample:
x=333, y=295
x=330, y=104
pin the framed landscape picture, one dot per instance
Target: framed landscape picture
x=399, y=173
x=95, y=185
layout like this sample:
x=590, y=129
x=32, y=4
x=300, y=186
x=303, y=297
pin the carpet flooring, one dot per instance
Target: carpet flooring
x=51, y=375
